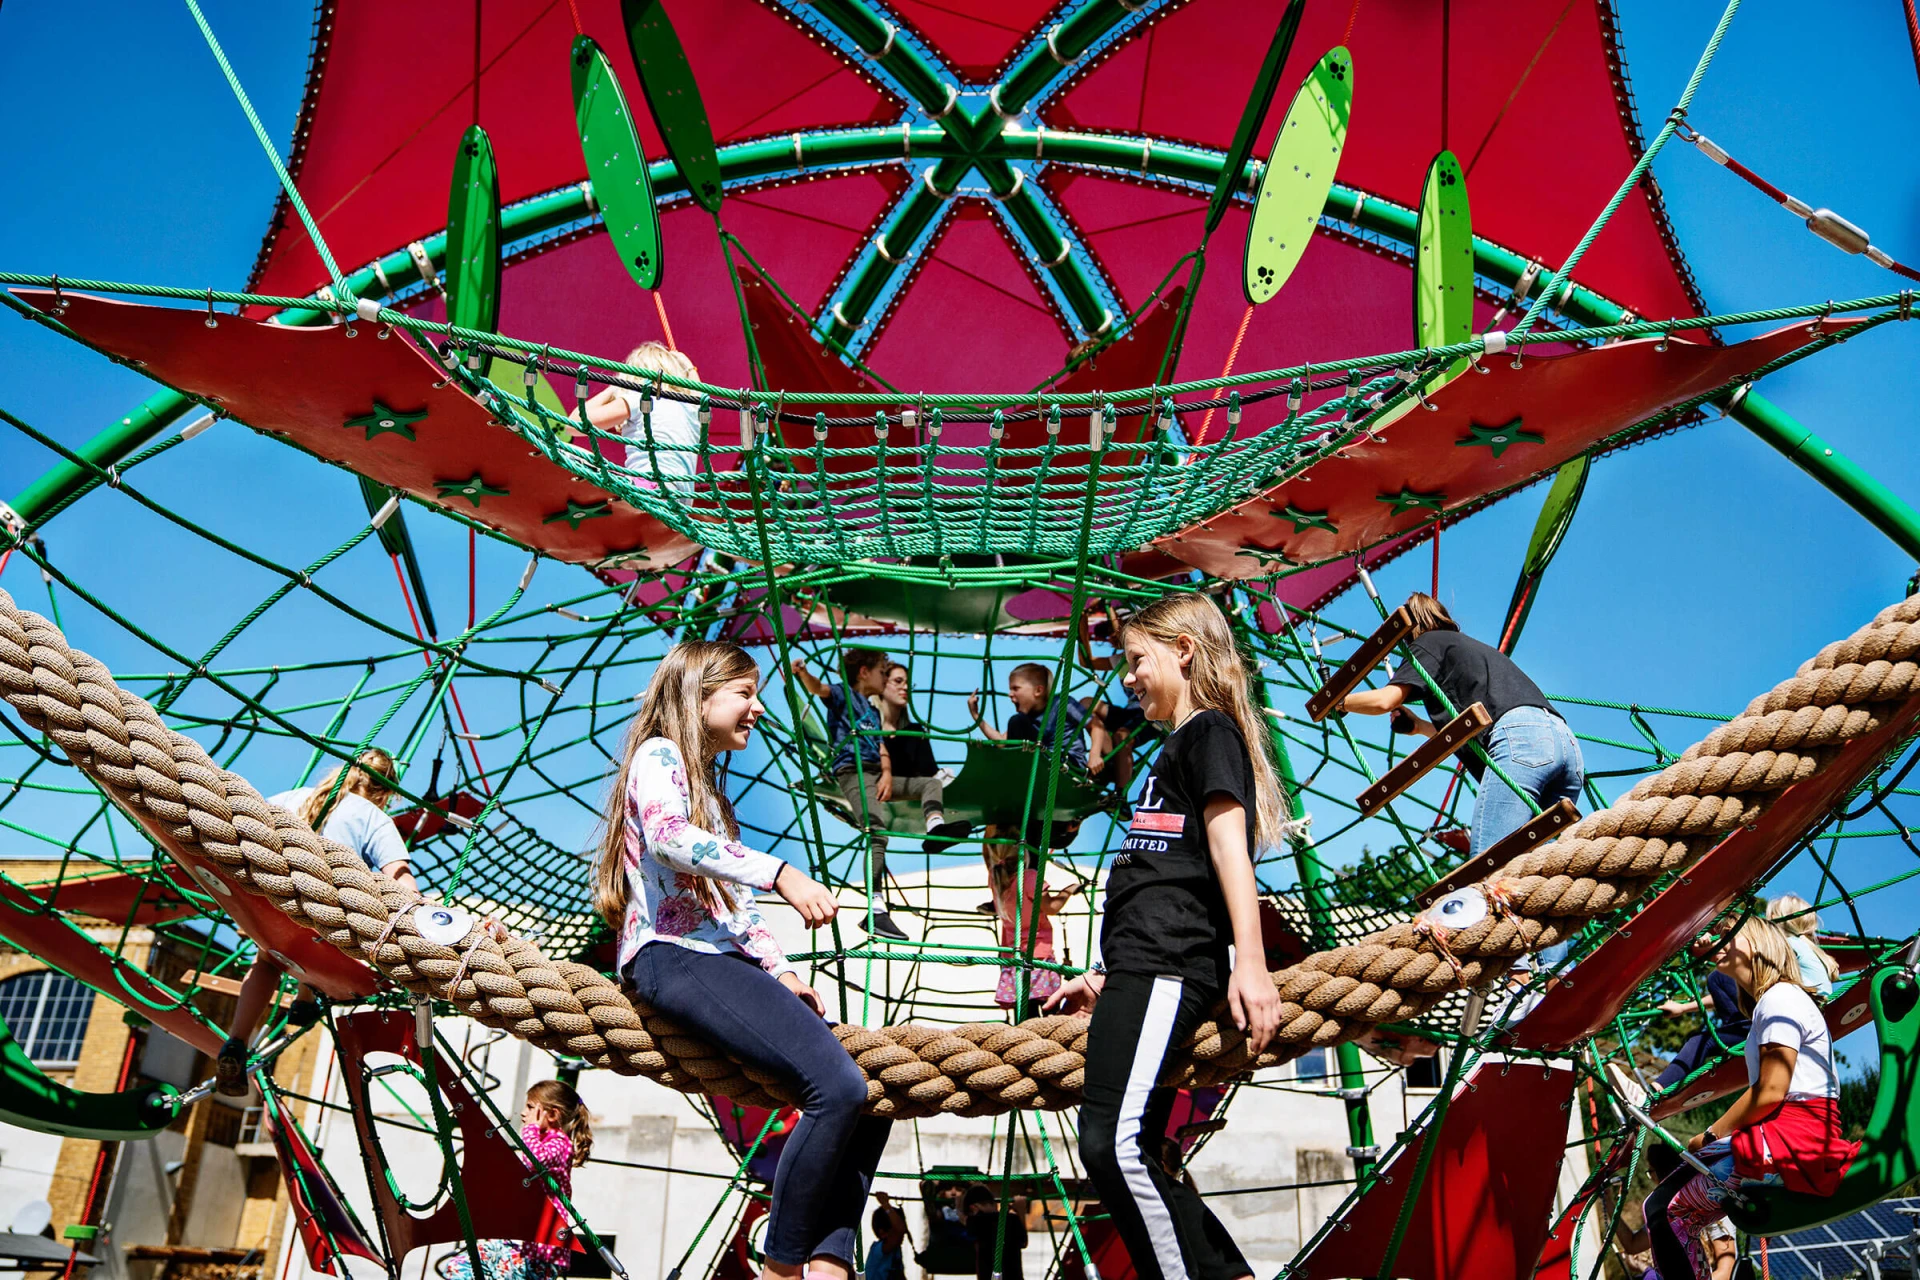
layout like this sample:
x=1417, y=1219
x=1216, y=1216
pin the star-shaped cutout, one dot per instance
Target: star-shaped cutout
x=1499, y=439
x=1271, y=561
x=578, y=511
x=1412, y=500
x=1305, y=520
x=385, y=419
x=473, y=490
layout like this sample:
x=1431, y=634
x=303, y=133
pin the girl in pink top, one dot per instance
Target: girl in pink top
x=558, y=1134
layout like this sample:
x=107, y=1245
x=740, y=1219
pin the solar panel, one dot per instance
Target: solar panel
x=1839, y=1248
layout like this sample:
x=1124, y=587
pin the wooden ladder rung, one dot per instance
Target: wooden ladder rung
x=1453, y=735
x=1368, y=656
x=1546, y=824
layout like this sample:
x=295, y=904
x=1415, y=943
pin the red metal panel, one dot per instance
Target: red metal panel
x=1487, y=1200
x=118, y=897
x=502, y=1202
x=305, y=383
x=1596, y=989
x=1574, y=400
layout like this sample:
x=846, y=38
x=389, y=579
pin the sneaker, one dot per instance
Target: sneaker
x=230, y=1070
x=942, y=835
x=303, y=1013
x=884, y=927
x=1626, y=1086
x=988, y=908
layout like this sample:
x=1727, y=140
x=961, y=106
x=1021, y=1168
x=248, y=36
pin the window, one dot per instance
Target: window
x=1317, y=1066
x=47, y=1013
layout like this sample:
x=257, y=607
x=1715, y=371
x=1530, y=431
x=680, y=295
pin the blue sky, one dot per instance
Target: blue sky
x=1702, y=567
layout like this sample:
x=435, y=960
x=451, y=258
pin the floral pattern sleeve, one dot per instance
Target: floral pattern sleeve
x=657, y=795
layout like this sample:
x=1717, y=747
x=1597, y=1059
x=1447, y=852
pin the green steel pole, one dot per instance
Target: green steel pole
x=1837, y=473
x=1313, y=887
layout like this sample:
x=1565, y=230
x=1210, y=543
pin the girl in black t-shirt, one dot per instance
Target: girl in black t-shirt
x=1181, y=891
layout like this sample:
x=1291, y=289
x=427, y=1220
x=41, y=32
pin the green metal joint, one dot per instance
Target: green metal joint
x=1837, y=473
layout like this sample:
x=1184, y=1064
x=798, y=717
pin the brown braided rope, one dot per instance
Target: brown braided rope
x=195, y=809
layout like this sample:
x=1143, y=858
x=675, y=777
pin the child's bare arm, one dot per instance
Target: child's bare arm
x=973, y=708
x=607, y=409
x=1251, y=995
x=811, y=682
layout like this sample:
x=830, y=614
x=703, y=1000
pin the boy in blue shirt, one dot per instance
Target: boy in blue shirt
x=885, y=1260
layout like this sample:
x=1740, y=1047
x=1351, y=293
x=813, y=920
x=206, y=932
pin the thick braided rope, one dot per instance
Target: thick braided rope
x=191, y=806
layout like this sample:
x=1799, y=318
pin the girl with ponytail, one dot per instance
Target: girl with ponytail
x=557, y=1132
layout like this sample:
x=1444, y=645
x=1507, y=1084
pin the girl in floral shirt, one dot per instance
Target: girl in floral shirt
x=676, y=882
x=558, y=1134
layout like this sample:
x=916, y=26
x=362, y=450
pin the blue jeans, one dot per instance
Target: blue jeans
x=1538, y=751
x=826, y=1168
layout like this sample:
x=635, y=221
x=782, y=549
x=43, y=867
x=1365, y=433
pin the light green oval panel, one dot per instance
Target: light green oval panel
x=616, y=165
x=473, y=236
x=1299, y=174
x=1443, y=257
x=673, y=96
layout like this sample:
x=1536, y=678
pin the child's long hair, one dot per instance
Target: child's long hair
x=574, y=1120
x=359, y=781
x=1220, y=683
x=672, y=709
x=1428, y=614
x=1794, y=915
x=1773, y=958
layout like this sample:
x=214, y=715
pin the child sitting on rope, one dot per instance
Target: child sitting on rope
x=672, y=424
x=677, y=884
x=558, y=1134
x=1181, y=892
x=357, y=819
x=1794, y=914
x=862, y=767
x=1783, y=1131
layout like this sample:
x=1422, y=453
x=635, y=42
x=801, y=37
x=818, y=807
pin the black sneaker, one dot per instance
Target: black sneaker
x=942, y=836
x=303, y=1013
x=884, y=927
x=230, y=1070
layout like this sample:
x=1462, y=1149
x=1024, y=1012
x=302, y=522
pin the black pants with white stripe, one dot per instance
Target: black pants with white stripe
x=1169, y=1232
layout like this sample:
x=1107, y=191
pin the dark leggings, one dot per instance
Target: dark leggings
x=1699, y=1046
x=1169, y=1232
x=826, y=1168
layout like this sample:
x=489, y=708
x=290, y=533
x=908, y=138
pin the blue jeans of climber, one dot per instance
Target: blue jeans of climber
x=1537, y=750
x=826, y=1168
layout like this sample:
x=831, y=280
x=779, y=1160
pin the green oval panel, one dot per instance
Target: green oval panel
x=673, y=96
x=1299, y=174
x=616, y=165
x=473, y=236
x=1443, y=257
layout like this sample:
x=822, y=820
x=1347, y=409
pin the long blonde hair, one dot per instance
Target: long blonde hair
x=692, y=671
x=1220, y=681
x=1772, y=955
x=1794, y=914
x=574, y=1121
x=1428, y=614
x=360, y=781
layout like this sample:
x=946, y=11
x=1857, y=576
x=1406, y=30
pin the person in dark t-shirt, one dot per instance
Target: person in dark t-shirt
x=1181, y=892
x=1528, y=740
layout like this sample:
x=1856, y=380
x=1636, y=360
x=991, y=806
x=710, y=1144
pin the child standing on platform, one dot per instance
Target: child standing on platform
x=675, y=881
x=1182, y=926
x=557, y=1132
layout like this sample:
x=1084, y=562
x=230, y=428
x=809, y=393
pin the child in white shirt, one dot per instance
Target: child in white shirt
x=672, y=427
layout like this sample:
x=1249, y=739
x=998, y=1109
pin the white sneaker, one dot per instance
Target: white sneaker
x=1626, y=1086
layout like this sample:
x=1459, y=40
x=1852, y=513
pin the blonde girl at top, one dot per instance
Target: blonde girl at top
x=664, y=435
x=676, y=882
x=1181, y=893
x=1794, y=915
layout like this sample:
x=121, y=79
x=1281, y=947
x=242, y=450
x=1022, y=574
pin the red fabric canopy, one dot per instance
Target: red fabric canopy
x=1536, y=105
